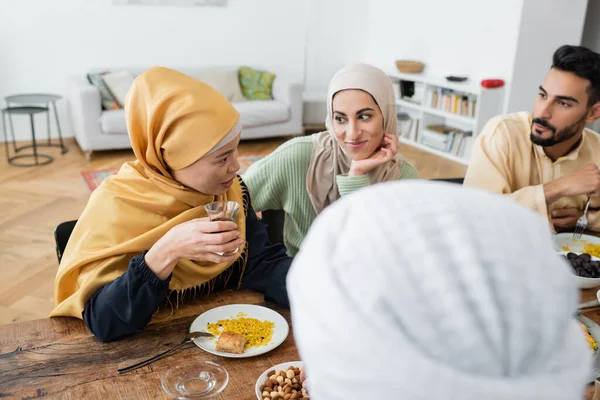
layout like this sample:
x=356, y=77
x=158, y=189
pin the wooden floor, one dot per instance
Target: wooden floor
x=34, y=200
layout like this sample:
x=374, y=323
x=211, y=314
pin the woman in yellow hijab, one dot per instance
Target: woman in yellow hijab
x=145, y=233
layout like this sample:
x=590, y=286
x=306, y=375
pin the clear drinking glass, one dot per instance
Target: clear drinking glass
x=197, y=380
x=223, y=211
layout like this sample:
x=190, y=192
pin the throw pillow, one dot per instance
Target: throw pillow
x=225, y=82
x=256, y=85
x=107, y=100
x=118, y=83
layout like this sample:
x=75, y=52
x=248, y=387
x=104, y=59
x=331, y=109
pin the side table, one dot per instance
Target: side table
x=49, y=101
x=31, y=111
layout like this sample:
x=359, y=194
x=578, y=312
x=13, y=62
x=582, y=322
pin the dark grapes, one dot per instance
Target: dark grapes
x=583, y=265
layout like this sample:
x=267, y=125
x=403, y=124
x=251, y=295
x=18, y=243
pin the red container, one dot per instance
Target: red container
x=492, y=83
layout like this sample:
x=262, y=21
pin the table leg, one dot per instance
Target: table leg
x=33, y=137
x=5, y=135
x=48, y=122
x=62, y=145
x=12, y=128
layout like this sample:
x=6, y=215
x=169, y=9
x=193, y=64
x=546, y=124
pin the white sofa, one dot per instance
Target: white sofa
x=96, y=129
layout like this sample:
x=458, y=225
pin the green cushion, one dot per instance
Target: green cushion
x=256, y=85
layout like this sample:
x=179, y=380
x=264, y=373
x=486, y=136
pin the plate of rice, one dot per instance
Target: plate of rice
x=262, y=328
x=587, y=244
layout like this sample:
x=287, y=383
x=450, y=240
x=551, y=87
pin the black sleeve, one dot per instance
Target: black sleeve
x=125, y=305
x=268, y=264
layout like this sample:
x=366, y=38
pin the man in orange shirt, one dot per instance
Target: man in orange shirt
x=548, y=161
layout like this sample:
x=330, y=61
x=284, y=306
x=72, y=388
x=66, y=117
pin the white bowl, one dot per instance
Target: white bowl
x=262, y=379
x=583, y=283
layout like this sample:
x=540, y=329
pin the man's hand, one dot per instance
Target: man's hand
x=584, y=181
x=565, y=218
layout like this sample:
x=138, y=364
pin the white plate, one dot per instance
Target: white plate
x=575, y=246
x=280, y=330
x=583, y=283
x=261, y=380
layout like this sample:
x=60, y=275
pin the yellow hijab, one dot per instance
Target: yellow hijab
x=173, y=120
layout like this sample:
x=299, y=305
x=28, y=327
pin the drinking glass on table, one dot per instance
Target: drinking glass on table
x=195, y=380
x=223, y=210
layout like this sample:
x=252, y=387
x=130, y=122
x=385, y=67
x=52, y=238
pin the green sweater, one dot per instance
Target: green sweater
x=278, y=182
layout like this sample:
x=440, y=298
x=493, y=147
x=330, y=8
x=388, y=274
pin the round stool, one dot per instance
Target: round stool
x=39, y=159
x=47, y=100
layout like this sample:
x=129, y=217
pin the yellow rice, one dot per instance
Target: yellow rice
x=589, y=248
x=592, y=249
x=591, y=341
x=257, y=333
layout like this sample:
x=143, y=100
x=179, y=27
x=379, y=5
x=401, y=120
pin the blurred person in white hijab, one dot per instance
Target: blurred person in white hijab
x=421, y=290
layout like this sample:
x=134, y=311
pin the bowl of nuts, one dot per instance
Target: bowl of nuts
x=282, y=382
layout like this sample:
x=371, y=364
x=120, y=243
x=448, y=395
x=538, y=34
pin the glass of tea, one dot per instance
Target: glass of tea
x=223, y=211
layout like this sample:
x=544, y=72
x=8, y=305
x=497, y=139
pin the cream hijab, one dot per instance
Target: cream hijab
x=328, y=159
x=467, y=300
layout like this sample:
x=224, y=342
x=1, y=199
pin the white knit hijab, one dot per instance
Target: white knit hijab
x=422, y=290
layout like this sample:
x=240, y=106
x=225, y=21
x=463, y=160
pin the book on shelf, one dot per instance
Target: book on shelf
x=407, y=127
x=447, y=139
x=453, y=102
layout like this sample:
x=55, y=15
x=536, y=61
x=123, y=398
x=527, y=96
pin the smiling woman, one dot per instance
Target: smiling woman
x=145, y=232
x=359, y=148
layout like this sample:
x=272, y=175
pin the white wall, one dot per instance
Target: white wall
x=336, y=37
x=43, y=41
x=468, y=37
x=545, y=26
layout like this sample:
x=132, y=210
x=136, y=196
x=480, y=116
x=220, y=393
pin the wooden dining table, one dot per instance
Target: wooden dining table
x=58, y=358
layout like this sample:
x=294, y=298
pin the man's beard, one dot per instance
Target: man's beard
x=557, y=137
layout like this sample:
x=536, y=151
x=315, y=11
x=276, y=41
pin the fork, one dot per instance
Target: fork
x=188, y=339
x=582, y=222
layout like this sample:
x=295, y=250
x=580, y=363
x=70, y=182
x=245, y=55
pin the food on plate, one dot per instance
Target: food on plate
x=589, y=248
x=257, y=333
x=231, y=342
x=592, y=249
x=583, y=265
x=283, y=385
x=590, y=339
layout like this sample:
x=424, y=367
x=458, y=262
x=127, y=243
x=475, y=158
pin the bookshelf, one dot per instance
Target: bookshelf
x=444, y=117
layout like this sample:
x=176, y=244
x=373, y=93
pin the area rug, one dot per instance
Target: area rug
x=93, y=178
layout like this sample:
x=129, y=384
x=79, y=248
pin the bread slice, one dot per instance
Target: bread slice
x=230, y=342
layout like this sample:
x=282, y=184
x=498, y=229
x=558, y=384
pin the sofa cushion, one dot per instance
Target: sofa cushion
x=256, y=85
x=225, y=82
x=256, y=113
x=106, y=97
x=118, y=83
x=113, y=122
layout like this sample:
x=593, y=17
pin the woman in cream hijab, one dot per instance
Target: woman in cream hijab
x=145, y=233
x=398, y=295
x=359, y=148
